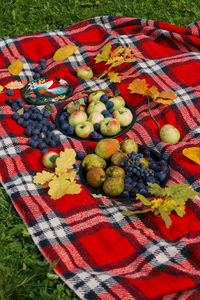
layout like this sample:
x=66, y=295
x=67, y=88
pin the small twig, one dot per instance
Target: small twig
x=149, y=109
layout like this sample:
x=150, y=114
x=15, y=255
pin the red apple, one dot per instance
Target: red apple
x=77, y=117
x=118, y=102
x=84, y=72
x=49, y=159
x=95, y=117
x=110, y=126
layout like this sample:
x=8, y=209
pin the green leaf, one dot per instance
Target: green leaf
x=49, y=108
x=143, y=199
x=117, y=92
x=181, y=191
x=20, y=111
x=156, y=190
x=180, y=212
x=165, y=217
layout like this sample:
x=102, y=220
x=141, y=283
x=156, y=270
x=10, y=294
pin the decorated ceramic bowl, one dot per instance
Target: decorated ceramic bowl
x=47, y=90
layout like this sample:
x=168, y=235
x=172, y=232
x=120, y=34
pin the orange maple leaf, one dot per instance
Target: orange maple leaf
x=152, y=92
x=138, y=86
x=166, y=97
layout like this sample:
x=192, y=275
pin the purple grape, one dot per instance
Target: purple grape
x=96, y=126
x=109, y=105
x=10, y=92
x=80, y=154
x=15, y=116
x=65, y=126
x=94, y=135
x=104, y=98
x=9, y=101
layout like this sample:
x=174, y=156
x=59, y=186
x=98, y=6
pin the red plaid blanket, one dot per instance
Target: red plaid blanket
x=102, y=254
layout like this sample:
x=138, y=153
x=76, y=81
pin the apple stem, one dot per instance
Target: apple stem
x=149, y=109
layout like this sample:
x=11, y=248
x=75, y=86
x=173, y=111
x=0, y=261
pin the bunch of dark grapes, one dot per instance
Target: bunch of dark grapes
x=39, y=70
x=36, y=123
x=140, y=169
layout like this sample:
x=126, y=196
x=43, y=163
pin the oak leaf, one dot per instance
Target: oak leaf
x=138, y=86
x=73, y=188
x=43, y=177
x=16, y=67
x=58, y=187
x=65, y=161
x=64, y=52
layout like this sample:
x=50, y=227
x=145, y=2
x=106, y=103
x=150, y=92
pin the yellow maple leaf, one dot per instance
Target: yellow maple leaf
x=64, y=52
x=138, y=86
x=73, y=188
x=117, y=51
x=16, y=67
x=1, y=88
x=115, y=61
x=114, y=77
x=43, y=177
x=166, y=97
x=130, y=60
x=65, y=161
x=15, y=85
x=58, y=187
x=192, y=153
x=104, y=54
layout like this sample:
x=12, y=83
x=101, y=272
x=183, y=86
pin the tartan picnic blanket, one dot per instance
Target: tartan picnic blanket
x=101, y=253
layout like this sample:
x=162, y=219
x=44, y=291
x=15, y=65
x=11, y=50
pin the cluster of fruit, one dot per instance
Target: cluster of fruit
x=36, y=124
x=39, y=70
x=120, y=169
x=95, y=116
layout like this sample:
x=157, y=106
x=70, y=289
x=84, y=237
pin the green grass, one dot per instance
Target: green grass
x=24, y=273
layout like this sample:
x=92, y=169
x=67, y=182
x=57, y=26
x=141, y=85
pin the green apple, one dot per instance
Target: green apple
x=110, y=127
x=95, y=117
x=95, y=96
x=169, y=134
x=96, y=107
x=84, y=72
x=123, y=115
x=118, y=102
x=77, y=117
x=83, y=129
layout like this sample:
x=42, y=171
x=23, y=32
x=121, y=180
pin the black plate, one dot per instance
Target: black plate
x=31, y=95
x=154, y=155
x=89, y=139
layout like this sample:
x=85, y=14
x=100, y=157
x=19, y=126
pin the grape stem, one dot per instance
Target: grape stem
x=149, y=109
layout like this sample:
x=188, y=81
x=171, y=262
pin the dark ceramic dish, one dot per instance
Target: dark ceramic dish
x=58, y=125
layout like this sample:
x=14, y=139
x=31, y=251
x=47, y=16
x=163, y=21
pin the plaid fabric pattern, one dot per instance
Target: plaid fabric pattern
x=103, y=254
